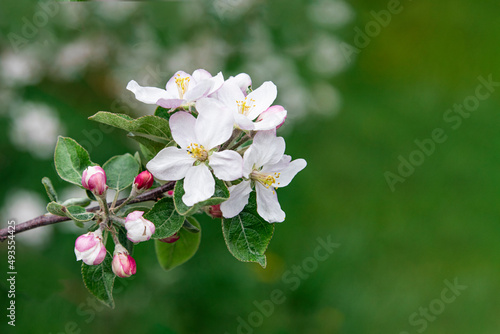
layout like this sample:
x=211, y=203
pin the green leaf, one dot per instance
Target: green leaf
x=152, y=127
x=137, y=157
x=121, y=171
x=77, y=201
x=167, y=221
x=247, y=235
x=99, y=280
x=90, y=195
x=71, y=159
x=79, y=214
x=220, y=195
x=122, y=237
x=152, y=147
x=57, y=209
x=49, y=188
x=131, y=208
x=163, y=113
x=172, y=255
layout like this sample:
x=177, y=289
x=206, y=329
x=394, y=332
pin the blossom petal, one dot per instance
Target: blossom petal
x=201, y=74
x=242, y=80
x=149, y=95
x=286, y=175
x=214, y=124
x=217, y=82
x=266, y=149
x=199, y=185
x=263, y=96
x=199, y=90
x=227, y=165
x=170, y=103
x=271, y=118
x=237, y=200
x=172, y=87
x=243, y=122
x=268, y=206
x=170, y=164
x=229, y=94
x=182, y=126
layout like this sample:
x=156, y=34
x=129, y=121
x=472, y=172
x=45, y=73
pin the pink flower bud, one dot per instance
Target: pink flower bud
x=144, y=180
x=123, y=264
x=273, y=114
x=138, y=228
x=171, y=239
x=170, y=193
x=214, y=211
x=94, y=179
x=89, y=248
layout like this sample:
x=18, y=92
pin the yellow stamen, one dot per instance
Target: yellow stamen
x=198, y=152
x=244, y=107
x=182, y=85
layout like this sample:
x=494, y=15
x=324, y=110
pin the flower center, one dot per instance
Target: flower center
x=198, y=152
x=267, y=180
x=182, y=85
x=244, y=107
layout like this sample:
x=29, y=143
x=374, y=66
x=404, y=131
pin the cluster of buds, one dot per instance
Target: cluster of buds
x=90, y=247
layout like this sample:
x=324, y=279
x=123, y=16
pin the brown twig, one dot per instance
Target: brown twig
x=48, y=219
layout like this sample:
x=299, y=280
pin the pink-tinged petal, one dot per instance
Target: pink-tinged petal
x=214, y=124
x=170, y=164
x=229, y=94
x=237, y=200
x=263, y=96
x=134, y=216
x=172, y=87
x=217, y=83
x=285, y=176
x=243, y=81
x=272, y=118
x=268, y=206
x=266, y=149
x=182, y=126
x=170, y=103
x=100, y=256
x=227, y=165
x=201, y=74
x=149, y=95
x=199, y=185
x=198, y=91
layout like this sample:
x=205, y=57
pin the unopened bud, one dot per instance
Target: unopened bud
x=171, y=239
x=144, y=180
x=274, y=113
x=123, y=264
x=89, y=248
x=138, y=228
x=94, y=179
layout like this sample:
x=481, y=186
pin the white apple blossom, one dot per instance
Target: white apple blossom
x=267, y=168
x=181, y=90
x=198, y=139
x=247, y=108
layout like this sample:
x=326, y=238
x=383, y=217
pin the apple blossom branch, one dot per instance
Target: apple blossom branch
x=44, y=220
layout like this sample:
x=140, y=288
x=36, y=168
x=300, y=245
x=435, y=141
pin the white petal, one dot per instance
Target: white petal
x=263, y=96
x=229, y=94
x=286, y=175
x=214, y=124
x=266, y=149
x=217, y=82
x=170, y=103
x=242, y=80
x=268, y=206
x=270, y=120
x=201, y=74
x=199, y=185
x=198, y=91
x=149, y=95
x=227, y=165
x=277, y=167
x=182, y=126
x=243, y=122
x=170, y=164
x=237, y=200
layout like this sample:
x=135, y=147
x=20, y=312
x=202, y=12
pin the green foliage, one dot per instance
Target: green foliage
x=49, y=188
x=99, y=280
x=71, y=159
x=166, y=219
x=76, y=213
x=247, y=235
x=77, y=201
x=56, y=209
x=220, y=195
x=122, y=237
x=174, y=254
x=121, y=171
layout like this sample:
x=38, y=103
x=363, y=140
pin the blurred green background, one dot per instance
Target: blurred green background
x=351, y=118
